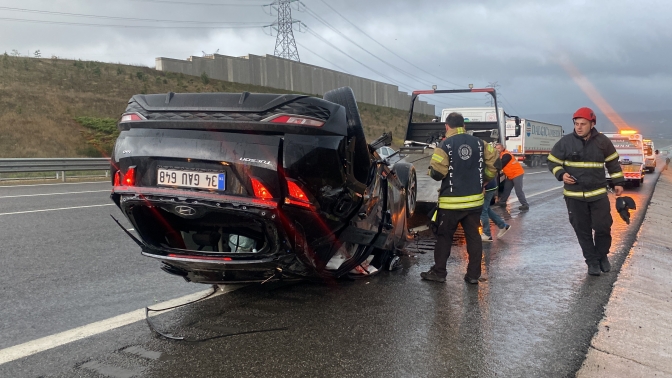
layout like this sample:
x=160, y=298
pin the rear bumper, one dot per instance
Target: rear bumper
x=196, y=244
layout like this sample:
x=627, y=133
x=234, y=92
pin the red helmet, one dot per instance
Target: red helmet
x=586, y=113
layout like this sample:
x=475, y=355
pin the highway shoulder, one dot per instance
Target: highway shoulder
x=633, y=338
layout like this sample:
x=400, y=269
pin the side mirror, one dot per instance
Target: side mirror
x=517, y=126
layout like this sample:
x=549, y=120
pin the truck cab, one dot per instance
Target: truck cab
x=630, y=147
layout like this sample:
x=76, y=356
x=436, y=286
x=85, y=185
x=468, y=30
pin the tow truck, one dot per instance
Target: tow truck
x=423, y=137
x=630, y=148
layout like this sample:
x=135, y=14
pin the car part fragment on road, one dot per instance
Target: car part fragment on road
x=169, y=336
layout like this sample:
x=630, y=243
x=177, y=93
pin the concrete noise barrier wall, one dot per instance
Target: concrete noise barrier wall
x=284, y=74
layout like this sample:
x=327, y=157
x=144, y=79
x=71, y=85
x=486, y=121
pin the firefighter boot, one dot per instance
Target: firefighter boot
x=594, y=268
x=430, y=275
x=605, y=266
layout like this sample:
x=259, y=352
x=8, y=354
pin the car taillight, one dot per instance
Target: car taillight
x=117, y=178
x=129, y=177
x=260, y=190
x=297, y=120
x=296, y=195
x=132, y=117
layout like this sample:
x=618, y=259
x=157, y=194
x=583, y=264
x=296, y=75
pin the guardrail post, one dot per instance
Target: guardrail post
x=63, y=174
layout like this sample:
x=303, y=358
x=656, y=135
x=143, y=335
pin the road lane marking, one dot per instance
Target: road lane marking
x=54, y=194
x=535, y=173
x=49, y=342
x=60, y=208
x=535, y=194
x=61, y=183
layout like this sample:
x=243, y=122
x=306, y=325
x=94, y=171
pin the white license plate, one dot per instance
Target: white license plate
x=191, y=179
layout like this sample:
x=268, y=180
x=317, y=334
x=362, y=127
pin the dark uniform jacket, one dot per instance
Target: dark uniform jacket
x=586, y=160
x=463, y=164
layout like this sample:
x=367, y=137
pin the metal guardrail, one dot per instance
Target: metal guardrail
x=53, y=165
x=20, y=165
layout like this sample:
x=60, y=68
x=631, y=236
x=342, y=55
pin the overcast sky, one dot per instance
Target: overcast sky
x=623, y=48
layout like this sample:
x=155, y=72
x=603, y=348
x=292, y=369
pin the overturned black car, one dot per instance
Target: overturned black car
x=225, y=187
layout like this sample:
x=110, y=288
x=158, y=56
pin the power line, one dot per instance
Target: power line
x=123, y=18
x=127, y=26
x=206, y=4
x=327, y=24
x=385, y=47
x=334, y=29
x=321, y=57
x=398, y=83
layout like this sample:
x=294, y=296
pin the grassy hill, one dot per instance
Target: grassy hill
x=65, y=108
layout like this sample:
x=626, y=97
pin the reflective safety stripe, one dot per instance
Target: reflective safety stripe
x=490, y=148
x=556, y=169
x=458, y=206
x=437, y=158
x=616, y=175
x=434, y=216
x=593, y=193
x=584, y=164
x=461, y=199
x=611, y=157
x=463, y=202
x=554, y=159
x=460, y=130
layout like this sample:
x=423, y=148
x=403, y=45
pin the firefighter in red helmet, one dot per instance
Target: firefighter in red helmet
x=579, y=160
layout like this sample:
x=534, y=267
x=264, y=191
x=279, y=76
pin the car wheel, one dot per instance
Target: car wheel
x=346, y=98
x=637, y=183
x=411, y=194
x=394, y=263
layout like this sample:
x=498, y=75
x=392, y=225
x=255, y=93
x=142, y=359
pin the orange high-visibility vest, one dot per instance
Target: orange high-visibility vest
x=513, y=169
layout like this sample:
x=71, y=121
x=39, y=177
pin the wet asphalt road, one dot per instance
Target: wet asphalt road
x=534, y=316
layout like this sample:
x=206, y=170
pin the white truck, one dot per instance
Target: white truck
x=649, y=156
x=630, y=147
x=535, y=141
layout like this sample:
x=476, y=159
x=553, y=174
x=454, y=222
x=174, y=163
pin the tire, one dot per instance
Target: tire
x=346, y=98
x=411, y=194
x=637, y=183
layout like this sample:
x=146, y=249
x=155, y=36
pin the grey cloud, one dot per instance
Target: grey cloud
x=622, y=47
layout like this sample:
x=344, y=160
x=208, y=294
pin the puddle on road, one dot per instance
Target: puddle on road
x=141, y=352
x=112, y=371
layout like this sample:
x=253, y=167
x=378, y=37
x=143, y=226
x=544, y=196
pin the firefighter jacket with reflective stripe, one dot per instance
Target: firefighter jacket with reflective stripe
x=586, y=160
x=510, y=165
x=463, y=164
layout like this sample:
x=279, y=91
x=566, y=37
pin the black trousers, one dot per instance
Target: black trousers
x=448, y=221
x=586, y=217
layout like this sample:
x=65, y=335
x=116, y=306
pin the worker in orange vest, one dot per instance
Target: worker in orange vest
x=514, y=178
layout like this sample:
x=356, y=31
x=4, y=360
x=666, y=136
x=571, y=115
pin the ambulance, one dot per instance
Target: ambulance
x=630, y=147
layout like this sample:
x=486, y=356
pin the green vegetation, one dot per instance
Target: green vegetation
x=100, y=135
x=69, y=108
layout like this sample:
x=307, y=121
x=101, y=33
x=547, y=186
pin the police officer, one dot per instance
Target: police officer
x=578, y=160
x=464, y=164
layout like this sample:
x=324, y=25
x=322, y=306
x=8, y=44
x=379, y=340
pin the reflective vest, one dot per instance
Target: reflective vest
x=513, y=169
x=462, y=189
